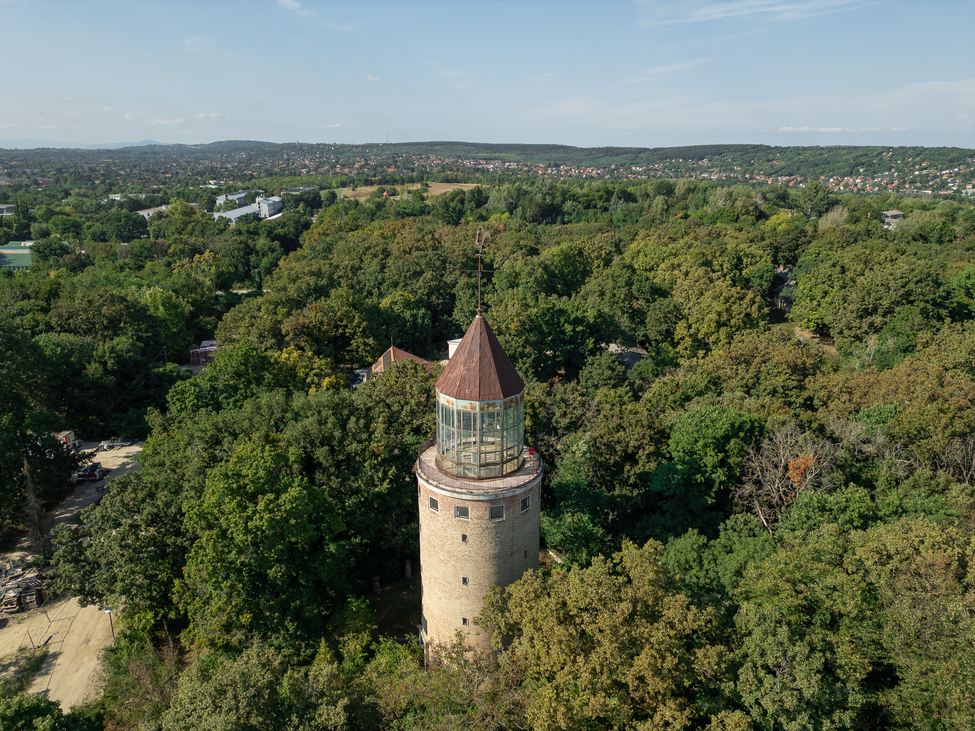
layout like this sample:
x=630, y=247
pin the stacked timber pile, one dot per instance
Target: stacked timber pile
x=21, y=588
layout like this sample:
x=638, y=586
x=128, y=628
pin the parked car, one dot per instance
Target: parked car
x=98, y=474
x=114, y=443
x=87, y=469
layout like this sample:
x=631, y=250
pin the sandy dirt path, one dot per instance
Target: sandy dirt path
x=73, y=635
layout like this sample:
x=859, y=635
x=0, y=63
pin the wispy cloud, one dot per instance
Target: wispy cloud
x=106, y=109
x=130, y=115
x=183, y=120
x=655, y=12
x=373, y=79
x=332, y=126
x=935, y=105
x=807, y=128
x=296, y=6
x=658, y=72
x=39, y=123
x=194, y=44
x=960, y=123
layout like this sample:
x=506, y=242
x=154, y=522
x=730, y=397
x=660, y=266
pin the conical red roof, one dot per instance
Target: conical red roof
x=480, y=369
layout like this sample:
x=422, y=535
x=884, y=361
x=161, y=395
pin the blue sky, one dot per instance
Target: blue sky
x=647, y=73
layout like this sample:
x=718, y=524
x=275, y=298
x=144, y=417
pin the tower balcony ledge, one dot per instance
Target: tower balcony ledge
x=530, y=472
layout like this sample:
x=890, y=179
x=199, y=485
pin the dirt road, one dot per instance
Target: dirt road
x=73, y=635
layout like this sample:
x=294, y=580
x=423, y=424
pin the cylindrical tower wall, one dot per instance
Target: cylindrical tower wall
x=469, y=542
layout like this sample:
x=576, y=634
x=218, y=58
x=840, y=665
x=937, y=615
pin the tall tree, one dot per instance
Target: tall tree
x=264, y=562
x=609, y=646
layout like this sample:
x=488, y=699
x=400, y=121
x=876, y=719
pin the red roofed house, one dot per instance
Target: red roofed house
x=395, y=355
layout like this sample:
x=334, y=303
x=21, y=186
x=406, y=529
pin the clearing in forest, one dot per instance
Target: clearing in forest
x=71, y=635
x=434, y=189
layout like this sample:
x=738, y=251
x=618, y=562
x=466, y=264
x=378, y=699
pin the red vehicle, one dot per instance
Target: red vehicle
x=83, y=472
x=97, y=474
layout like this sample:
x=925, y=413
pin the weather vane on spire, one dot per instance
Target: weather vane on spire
x=479, y=241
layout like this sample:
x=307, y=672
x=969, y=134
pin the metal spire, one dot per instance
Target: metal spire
x=479, y=241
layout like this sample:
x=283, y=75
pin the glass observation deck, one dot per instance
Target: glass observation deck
x=480, y=439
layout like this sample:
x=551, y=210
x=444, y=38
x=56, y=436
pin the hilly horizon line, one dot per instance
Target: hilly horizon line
x=28, y=145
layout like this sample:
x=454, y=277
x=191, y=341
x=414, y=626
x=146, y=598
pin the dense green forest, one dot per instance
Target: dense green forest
x=767, y=523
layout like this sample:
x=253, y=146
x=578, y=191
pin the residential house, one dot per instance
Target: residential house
x=147, y=212
x=395, y=355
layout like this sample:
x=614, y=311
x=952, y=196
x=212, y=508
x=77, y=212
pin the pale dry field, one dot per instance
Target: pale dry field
x=435, y=189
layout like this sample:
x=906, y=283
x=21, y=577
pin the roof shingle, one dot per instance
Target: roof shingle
x=480, y=369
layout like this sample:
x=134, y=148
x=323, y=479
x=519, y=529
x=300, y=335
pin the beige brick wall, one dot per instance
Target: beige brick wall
x=493, y=554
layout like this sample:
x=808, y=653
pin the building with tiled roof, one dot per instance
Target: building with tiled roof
x=395, y=355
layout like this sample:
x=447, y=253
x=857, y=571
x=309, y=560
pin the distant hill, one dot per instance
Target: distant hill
x=807, y=161
x=906, y=169
x=48, y=144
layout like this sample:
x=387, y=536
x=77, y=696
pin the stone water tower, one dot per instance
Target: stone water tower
x=479, y=489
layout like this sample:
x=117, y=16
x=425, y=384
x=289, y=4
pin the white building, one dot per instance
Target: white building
x=237, y=197
x=147, y=212
x=236, y=213
x=269, y=206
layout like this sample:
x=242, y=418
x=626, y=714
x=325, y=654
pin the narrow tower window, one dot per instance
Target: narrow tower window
x=526, y=502
x=462, y=511
x=463, y=621
x=434, y=505
x=463, y=538
x=497, y=512
x=463, y=580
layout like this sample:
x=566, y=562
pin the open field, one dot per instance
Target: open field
x=435, y=189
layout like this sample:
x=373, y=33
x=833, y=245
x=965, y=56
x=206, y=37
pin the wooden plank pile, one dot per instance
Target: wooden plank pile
x=21, y=588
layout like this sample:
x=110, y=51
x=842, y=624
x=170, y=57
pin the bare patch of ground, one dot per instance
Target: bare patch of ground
x=72, y=635
x=434, y=189
x=440, y=188
x=810, y=336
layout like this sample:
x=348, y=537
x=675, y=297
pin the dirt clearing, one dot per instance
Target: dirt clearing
x=435, y=189
x=72, y=635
